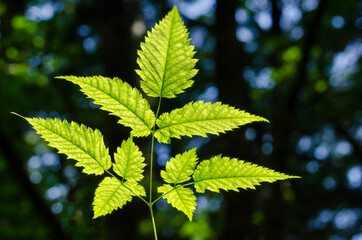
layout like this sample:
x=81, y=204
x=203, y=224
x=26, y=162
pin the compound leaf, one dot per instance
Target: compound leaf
x=231, y=174
x=180, y=168
x=120, y=99
x=181, y=198
x=78, y=142
x=112, y=194
x=129, y=162
x=166, y=58
x=199, y=118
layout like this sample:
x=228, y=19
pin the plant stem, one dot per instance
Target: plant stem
x=153, y=222
x=151, y=170
x=152, y=145
x=151, y=167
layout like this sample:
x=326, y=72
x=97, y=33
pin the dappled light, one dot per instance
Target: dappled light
x=297, y=63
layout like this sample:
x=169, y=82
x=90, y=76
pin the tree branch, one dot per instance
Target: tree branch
x=276, y=17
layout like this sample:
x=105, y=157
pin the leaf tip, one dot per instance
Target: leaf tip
x=264, y=120
x=63, y=77
x=17, y=114
x=291, y=176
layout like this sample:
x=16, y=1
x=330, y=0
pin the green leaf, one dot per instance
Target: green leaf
x=231, y=174
x=129, y=162
x=120, y=99
x=112, y=194
x=78, y=142
x=166, y=58
x=180, y=168
x=181, y=198
x=199, y=118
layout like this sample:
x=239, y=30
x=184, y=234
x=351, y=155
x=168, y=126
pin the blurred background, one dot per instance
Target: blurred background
x=295, y=62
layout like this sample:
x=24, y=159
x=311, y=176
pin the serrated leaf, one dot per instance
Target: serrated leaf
x=181, y=198
x=199, y=118
x=120, y=99
x=180, y=168
x=231, y=174
x=112, y=194
x=129, y=162
x=166, y=58
x=78, y=142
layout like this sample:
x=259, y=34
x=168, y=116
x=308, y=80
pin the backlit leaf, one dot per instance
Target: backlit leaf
x=120, y=99
x=78, y=142
x=129, y=162
x=181, y=198
x=180, y=168
x=199, y=118
x=231, y=174
x=112, y=194
x=166, y=58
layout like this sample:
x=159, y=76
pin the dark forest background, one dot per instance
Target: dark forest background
x=295, y=62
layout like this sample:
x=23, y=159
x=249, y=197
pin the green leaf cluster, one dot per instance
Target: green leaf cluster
x=166, y=68
x=213, y=174
x=86, y=146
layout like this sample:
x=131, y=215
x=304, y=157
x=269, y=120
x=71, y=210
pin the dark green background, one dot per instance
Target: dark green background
x=297, y=63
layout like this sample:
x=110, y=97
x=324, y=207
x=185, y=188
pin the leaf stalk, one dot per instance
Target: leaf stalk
x=150, y=203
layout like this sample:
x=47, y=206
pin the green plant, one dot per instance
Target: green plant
x=166, y=69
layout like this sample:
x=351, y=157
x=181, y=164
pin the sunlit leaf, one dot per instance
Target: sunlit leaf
x=199, y=118
x=120, y=99
x=230, y=174
x=166, y=58
x=181, y=198
x=112, y=194
x=78, y=142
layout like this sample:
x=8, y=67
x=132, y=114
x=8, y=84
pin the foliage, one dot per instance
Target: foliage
x=166, y=59
x=166, y=68
x=120, y=99
x=231, y=174
x=77, y=142
x=200, y=118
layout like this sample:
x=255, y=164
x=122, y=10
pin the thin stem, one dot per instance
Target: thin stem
x=151, y=170
x=153, y=222
x=151, y=166
x=152, y=145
